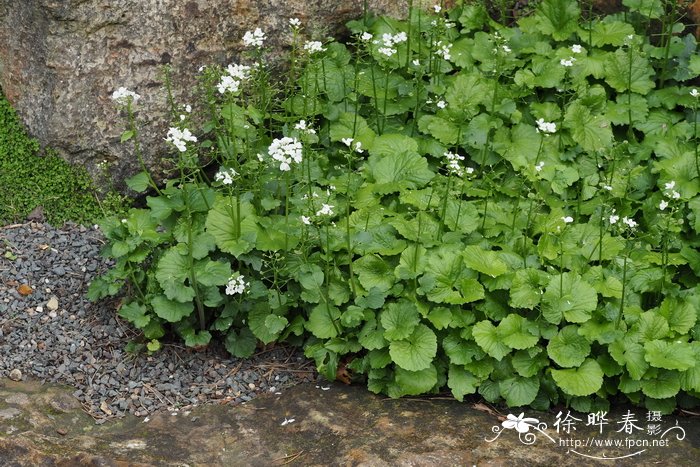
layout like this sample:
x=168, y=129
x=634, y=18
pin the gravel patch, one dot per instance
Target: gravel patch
x=49, y=330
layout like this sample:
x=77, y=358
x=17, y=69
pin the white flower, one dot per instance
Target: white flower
x=614, y=218
x=285, y=151
x=607, y=187
x=546, y=127
x=347, y=141
x=388, y=51
x=441, y=104
x=294, y=22
x=182, y=118
x=453, y=163
x=313, y=46
x=123, y=96
x=228, y=84
x=470, y=170
x=539, y=166
x=254, y=38
x=366, y=36
x=358, y=148
x=449, y=24
x=416, y=62
x=179, y=138
x=444, y=50
x=567, y=219
x=567, y=63
x=521, y=424
x=306, y=220
x=225, y=176
x=302, y=126
x=663, y=204
x=506, y=49
x=326, y=210
x=675, y=194
x=629, y=222
x=188, y=108
x=240, y=72
x=437, y=8
x=694, y=92
x=400, y=37
x=236, y=285
x=670, y=185
x=576, y=48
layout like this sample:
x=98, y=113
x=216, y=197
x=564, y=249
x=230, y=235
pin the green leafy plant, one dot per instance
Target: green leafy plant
x=28, y=180
x=442, y=202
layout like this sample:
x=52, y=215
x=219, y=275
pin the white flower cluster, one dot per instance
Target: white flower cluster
x=694, y=93
x=236, y=285
x=670, y=192
x=567, y=62
x=453, y=163
x=295, y=22
x=629, y=222
x=326, y=210
x=546, y=127
x=567, y=219
x=231, y=81
x=313, y=47
x=285, y=151
x=613, y=218
x=123, y=96
x=444, y=50
x=306, y=128
x=389, y=41
x=179, y=138
x=576, y=48
x=254, y=38
x=225, y=176
x=539, y=166
x=358, y=145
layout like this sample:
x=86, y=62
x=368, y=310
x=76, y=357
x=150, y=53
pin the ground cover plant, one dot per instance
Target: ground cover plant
x=442, y=202
x=30, y=178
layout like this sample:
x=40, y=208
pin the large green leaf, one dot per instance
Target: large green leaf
x=582, y=381
x=518, y=332
x=670, y=355
x=486, y=262
x=233, y=227
x=610, y=32
x=412, y=262
x=589, y=129
x=461, y=382
x=413, y=383
x=664, y=384
x=439, y=128
x=680, y=314
x=352, y=125
x=322, y=321
x=650, y=8
x=395, y=166
x=630, y=354
x=399, y=319
x=212, y=273
x=568, y=349
x=466, y=92
x=171, y=310
x=374, y=271
x=568, y=296
x=417, y=351
x=171, y=273
x=629, y=74
x=518, y=391
x=487, y=336
x=558, y=18
x=135, y=313
x=527, y=288
x=241, y=344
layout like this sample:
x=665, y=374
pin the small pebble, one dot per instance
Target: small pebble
x=15, y=375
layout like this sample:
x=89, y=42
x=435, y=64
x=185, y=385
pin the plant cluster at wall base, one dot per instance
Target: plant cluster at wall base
x=28, y=180
x=443, y=202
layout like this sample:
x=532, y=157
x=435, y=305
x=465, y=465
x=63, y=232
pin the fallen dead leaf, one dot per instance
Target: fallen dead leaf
x=24, y=290
x=105, y=408
x=43, y=247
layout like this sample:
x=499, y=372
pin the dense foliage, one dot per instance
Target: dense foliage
x=28, y=179
x=443, y=202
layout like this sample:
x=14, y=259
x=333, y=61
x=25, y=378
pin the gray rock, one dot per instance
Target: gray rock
x=60, y=61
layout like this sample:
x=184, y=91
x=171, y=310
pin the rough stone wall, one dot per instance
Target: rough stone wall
x=60, y=60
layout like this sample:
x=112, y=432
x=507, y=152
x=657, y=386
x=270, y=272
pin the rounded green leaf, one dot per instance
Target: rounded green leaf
x=486, y=335
x=568, y=349
x=669, y=355
x=399, y=319
x=519, y=391
x=568, y=296
x=417, y=351
x=665, y=384
x=461, y=382
x=171, y=310
x=582, y=381
x=518, y=332
x=322, y=320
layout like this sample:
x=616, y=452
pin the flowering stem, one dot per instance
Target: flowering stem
x=286, y=211
x=347, y=228
x=624, y=285
x=137, y=147
x=190, y=258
